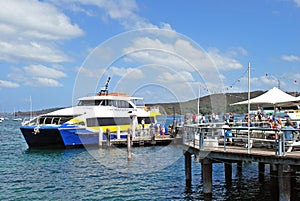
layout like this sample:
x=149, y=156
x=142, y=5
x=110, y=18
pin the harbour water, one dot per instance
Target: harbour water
x=154, y=173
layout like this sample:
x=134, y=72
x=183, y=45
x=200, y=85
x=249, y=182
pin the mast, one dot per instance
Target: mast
x=30, y=107
x=105, y=90
x=198, y=103
x=248, y=123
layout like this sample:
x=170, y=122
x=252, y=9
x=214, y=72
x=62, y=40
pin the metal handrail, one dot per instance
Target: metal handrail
x=190, y=132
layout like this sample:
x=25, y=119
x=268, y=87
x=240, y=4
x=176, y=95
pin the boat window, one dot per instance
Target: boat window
x=110, y=103
x=108, y=121
x=54, y=119
x=88, y=102
x=106, y=103
x=115, y=103
x=97, y=102
x=102, y=103
x=148, y=120
x=124, y=104
x=138, y=102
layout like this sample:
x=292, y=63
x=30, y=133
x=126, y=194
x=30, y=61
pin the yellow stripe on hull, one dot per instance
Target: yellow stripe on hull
x=114, y=128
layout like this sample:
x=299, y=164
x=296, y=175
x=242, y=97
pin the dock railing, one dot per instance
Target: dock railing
x=207, y=137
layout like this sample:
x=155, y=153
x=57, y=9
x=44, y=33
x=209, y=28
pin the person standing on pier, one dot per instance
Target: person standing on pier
x=194, y=117
x=289, y=131
x=226, y=132
x=216, y=117
x=231, y=117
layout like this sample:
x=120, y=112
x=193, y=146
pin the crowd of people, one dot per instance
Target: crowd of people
x=258, y=119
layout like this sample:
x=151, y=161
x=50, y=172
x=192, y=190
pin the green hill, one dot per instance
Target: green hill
x=218, y=103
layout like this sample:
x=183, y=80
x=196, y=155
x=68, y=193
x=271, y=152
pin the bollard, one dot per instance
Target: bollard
x=201, y=133
x=152, y=134
x=279, y=144
x=108, y=137
x=129, y=155
x=100, y=137
x=118, y=132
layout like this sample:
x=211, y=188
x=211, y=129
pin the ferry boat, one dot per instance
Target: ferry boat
x=80, y=125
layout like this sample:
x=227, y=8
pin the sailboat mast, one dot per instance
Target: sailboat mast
x=198, y=108
x=30, y=107
x=248, y=123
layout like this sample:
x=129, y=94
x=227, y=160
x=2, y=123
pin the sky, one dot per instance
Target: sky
x=53, y=52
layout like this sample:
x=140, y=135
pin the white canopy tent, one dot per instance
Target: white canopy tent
x=273, y=97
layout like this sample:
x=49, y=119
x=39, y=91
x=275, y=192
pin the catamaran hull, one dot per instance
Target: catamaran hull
x=48, y=136
x=42, y=137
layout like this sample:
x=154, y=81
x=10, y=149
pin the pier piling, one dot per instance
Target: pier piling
x=207, y=176
x=228, y=172
x=152, y=134
x=108, y=137
x=188, y=169
x=274, y=181
x=100, y=137
x=261, y=172
x=129, y=155
x=239, y=168
x=118, y=132
x=284, y=182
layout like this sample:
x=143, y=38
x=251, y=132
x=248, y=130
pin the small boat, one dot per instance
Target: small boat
x=80, y=125
x=15, y=117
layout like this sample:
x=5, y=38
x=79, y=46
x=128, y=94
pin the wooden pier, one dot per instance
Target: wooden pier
x=136, y=138
x=142, y=141
x=246, y=145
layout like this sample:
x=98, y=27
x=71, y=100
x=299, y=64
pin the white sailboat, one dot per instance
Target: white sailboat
x=15, y=117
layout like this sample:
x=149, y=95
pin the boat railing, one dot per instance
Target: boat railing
x=46, y=121
x=264, y=139
x=262, y=124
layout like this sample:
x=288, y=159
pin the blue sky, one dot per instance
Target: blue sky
x=55, y=51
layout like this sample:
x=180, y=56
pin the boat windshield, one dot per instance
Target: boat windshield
x=138, y=102
x=115, y=103
x=89, y=102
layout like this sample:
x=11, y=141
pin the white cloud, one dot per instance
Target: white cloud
x=15, y=50
x=178, y=54
x=37, y=76
x=29, y=30
x=297, y=3
x=31, y=18
x=222, y=61
x=168, y=77
x=44, y=82
x=123, y=11
x=8, y=84
x=237, y=51
x=133, y=73
x=91, y=73
x=291, y=58
x=43, y=71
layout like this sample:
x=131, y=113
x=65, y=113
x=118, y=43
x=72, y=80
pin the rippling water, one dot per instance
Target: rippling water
x=154, y=173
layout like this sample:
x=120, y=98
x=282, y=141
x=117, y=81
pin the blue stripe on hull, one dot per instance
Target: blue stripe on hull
x=74, y=137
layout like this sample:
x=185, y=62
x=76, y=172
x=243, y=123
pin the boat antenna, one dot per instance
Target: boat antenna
x=105, y=90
